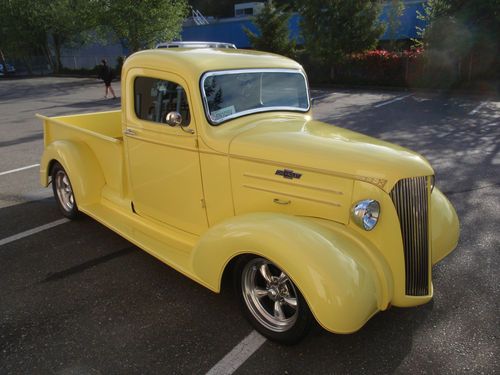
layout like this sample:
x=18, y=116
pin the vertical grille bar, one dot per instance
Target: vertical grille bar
x=410, y=197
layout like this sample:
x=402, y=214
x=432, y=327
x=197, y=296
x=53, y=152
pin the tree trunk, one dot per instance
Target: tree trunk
x=57, y=51
x=3, y=63
x=332, y=72
x=27, y=64
x=48, y=55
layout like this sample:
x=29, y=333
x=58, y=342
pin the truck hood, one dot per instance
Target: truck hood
x=303, y=145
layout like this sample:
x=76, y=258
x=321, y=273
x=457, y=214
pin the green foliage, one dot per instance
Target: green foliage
x=143, y=23
x=432, y=10
x=396, y=10
x=273, y=36
x=333, y=29
x=459, y=33
x=34, y=27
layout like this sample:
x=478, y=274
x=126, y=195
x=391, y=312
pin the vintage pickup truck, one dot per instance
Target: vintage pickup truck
x=216, y=167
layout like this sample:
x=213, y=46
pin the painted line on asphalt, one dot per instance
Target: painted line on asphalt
x=399, y=98
x=475, y=110
x=322, y=96
x=19, y=169
x=30, y=232
x=236, y=357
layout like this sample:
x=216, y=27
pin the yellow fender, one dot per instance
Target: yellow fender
x=81, y=165
x=443, y=215
x=329, y=264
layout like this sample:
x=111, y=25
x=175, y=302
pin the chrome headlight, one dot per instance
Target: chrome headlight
x=365, y=213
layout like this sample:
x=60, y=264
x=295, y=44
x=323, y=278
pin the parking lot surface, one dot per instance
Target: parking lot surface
x=75, y=298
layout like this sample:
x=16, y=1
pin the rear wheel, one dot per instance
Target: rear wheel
x=271, y=301
x=63, y=192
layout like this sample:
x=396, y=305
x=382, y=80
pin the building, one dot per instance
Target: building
x=230, y=30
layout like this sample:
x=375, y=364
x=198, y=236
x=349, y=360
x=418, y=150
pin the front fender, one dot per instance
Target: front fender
x=445, y=227
x=81, y=165
x=329, y=265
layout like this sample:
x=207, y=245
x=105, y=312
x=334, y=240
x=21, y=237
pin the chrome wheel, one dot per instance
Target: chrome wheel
x=269, y=295
x=64, y=191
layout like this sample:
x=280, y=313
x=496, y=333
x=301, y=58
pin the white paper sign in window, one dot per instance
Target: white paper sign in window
x=222, y=113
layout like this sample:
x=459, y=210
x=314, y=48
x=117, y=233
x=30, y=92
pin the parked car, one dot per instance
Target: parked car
x=215, y=166
x=10, y=69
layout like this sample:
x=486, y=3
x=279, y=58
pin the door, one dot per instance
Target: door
x=164, y=164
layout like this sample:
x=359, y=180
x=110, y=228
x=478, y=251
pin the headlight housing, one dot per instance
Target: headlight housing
x=366, y=213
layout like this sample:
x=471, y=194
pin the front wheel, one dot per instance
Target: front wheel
x=271, y=301
x=63, y=192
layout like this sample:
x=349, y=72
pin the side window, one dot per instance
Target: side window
x=154, y=98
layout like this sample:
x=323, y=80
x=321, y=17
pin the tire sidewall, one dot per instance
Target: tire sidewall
x=74, y=212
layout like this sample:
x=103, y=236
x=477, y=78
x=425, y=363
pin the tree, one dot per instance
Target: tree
x=333, y=29
x=394, y=14
x=273, y=35
x=432, y=10
x=31, y=27
x=67, y=24
x=457, y=30
x=143, y=23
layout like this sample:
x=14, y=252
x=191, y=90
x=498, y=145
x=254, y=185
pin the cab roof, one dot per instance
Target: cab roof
x=193, y=62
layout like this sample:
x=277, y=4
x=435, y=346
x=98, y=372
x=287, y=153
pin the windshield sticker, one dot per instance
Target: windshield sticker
x=223, y=112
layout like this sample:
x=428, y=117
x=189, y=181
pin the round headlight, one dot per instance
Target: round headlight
x=365, y=213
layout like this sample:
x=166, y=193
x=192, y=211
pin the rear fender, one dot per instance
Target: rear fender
x=80, y=164
x=328, y=264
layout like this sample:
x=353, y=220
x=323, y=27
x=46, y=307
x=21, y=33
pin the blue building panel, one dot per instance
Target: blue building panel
x=232, y=30
x=409, y=21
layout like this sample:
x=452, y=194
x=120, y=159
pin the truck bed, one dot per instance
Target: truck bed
x=102, y=133
x=106, y=124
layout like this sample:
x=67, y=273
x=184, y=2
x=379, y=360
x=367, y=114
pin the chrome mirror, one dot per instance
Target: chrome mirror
x=173, y=118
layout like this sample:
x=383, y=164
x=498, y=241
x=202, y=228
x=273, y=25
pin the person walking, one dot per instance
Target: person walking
x=106, y=74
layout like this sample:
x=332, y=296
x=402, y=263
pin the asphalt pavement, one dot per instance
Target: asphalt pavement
x=75, y=298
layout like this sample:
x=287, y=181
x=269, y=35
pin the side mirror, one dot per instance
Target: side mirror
x=173, y=118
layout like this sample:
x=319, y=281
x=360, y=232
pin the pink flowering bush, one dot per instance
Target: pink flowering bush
x=380, y=67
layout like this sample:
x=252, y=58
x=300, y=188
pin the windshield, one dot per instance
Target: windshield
x=235, y=93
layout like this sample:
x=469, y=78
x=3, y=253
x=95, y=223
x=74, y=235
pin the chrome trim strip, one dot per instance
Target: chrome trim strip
x=256, y=110
x=335, y=204
x=410, y=197
x=292, y=183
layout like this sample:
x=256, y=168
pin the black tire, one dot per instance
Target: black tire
x=63, y=192
x=272, y=313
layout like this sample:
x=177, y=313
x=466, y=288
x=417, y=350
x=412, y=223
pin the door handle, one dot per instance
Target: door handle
x=281, y=201
x=129, y=131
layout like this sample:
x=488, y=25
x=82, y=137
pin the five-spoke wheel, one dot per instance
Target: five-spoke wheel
x=271, y=301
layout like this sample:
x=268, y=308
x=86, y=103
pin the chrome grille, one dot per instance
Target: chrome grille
x=410, y=197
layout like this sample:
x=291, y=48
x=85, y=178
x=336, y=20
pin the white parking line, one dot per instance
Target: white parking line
x=392, y=101
x=475, y=110
x=19, y=169
x=29, y=232
x=236, y=357
x=322, y=96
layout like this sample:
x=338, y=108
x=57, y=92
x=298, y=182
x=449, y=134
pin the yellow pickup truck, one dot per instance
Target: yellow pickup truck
x=216, y=166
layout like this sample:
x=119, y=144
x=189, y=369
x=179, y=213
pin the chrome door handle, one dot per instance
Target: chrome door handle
x=129, y=131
